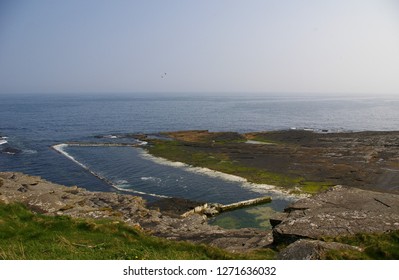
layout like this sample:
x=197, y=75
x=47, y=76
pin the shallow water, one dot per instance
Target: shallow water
x=133, y=170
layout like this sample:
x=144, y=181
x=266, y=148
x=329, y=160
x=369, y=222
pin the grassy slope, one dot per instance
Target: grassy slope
x=382, y=246
x=24, y=235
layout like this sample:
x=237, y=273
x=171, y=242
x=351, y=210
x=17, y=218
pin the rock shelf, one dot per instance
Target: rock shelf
x=339, y=211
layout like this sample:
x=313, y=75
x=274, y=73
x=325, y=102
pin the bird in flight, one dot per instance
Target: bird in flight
x=163, y=75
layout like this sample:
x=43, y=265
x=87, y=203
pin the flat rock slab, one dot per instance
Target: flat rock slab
x=366, y=160
x=339, y=211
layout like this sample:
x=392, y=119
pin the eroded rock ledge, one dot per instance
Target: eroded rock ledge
x=339, y=211
x=48, y=198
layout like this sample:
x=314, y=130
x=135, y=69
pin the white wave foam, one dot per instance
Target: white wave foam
x=144, y=154
x=271, y=190
x=141, y=143
x=29, y=152
x=3, y=141
x=110, y=136
x=139, y=192
x=61, y=149
x=122, y=187
x=122, y=182
x=127, y=188
x=152, y=179
x=218, y=174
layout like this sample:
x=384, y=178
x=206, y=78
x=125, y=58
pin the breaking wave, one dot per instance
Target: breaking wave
x=152, y=179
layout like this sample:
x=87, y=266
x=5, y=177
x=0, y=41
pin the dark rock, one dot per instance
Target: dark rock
x=11, y=151
x=277, y=218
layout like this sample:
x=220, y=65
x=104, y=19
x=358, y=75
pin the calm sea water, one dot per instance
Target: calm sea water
x=33, y=123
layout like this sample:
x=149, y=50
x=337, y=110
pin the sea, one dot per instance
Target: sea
x=31, y=124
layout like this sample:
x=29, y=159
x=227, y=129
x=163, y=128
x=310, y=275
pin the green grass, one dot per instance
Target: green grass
x=383, y=246
x=25, y=235
x=177, y=151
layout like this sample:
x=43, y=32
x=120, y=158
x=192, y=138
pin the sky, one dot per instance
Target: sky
x=230, y=46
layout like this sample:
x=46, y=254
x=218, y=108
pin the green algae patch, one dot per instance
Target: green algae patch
x=177, y=151
x=314, y=187
x=201, y=155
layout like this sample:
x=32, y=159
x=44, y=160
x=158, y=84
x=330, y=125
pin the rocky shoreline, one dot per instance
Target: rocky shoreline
x=297, y=159
x=48, y=198
x=339, y=211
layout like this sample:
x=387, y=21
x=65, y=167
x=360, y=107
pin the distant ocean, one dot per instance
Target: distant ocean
x=33, y=123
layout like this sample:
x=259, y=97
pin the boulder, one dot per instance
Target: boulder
x=10, y=151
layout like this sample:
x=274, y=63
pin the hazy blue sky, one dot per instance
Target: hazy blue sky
x=202, y=45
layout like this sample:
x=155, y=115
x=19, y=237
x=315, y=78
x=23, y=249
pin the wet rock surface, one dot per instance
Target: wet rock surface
x=10, y=151
x=366, y=160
